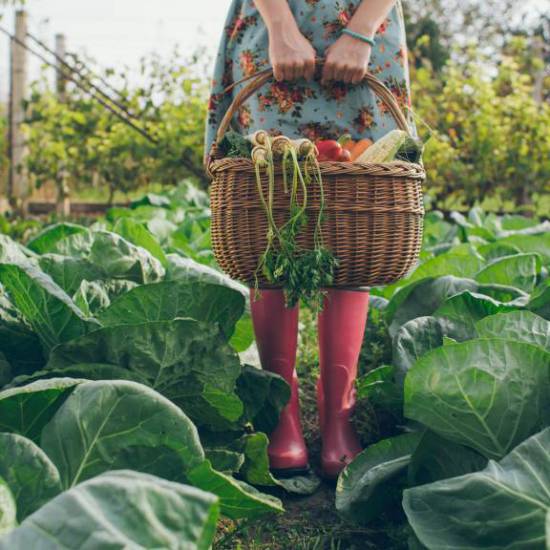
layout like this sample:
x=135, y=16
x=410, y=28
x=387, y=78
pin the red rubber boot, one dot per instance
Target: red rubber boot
x=341, y=327
x=276, y=330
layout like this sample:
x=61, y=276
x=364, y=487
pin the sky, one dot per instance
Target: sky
x=118, y=32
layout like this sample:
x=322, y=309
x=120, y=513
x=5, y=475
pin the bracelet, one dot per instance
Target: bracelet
x=359, y=36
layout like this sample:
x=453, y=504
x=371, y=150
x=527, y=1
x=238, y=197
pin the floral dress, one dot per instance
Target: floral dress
x=307, y=109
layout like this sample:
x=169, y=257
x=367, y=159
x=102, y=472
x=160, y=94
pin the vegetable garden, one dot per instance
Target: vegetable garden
x=134, y=412
x=133, y=415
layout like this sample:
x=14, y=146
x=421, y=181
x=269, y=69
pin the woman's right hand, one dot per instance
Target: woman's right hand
x=291, y=54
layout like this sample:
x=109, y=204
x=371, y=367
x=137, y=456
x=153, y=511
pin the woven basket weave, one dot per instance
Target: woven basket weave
x=373, y=213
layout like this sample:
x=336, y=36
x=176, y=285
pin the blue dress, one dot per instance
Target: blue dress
x=307, y=109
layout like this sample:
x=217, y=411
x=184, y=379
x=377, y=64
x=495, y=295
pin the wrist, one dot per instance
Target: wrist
x=366, y=28
x=358, y=38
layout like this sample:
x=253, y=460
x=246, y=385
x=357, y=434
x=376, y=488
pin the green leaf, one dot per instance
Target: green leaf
x=366, y=384
x=436, y=458
x=186, y=269
x=6, y=372
x=169, y=300
x=256, y=465
x=29, y=473
x=505, y=504
x=537, y=244
x=105, y=425
x=120, y=259
x=513, y=222
x=539, y=301
x=264, y=395
x=487, y=394
x=237, y=498
x=256, y=470
x=11, y=252
x=48, y=238
x=422, y=298
x=518, y=271
x=27, y=409
x=68, y=272
x=136, y=233
x=380, y=388
x=20, y=346
x=7, y=510
x=121, y=509
x=243, y=336
x=462, y=265
x=81, y=371
x=225, y=460
x=91, y=297
x=300, y=485
x=364, y=487
x=116, y=287
x=78, y=245
x=187, y=361
x=466, y=308
x=510, y=295
x=151, y=199
x=418, y=337
x=523, y=326
x=47, y=308
x=493, y=251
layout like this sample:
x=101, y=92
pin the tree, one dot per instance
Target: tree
x=80, y=139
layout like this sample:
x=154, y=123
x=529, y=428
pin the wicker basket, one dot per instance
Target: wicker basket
x=373, y=212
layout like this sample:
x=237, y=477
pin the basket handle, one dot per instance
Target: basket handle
x=257, y=80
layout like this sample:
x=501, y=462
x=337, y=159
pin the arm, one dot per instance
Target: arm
x=290, y=53
x=347, y=59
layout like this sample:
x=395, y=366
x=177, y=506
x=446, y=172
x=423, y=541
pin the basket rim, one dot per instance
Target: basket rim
x=391, y=169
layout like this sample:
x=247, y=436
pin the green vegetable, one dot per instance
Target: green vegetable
x=7, y=510
x=505, y=505
x=301, y=273
x=385, y=149
x=410, y=150
x=481, y=388
x=29, y=473
x=121, y=509
x=234, y=144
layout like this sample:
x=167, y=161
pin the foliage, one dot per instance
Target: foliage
x=127, y=358
x=471, y=371
x=162, y=515
x=75, y=142
x=515, y=495
x=490, y=144
x=119, y=354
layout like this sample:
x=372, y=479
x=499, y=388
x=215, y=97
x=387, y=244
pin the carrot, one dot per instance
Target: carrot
x=349, y=145
x=360, y=147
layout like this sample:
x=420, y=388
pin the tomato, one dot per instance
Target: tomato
x=345, y=156
x=329, y=149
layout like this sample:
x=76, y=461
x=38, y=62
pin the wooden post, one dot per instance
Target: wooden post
x=18, y=180
x=63, y=206
x=60, y=52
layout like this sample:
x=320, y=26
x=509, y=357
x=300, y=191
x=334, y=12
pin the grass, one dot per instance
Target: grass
x=311, y=523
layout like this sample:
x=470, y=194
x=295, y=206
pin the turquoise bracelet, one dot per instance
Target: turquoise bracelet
x=359, y=36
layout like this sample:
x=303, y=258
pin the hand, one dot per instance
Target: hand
x=346, y=60
x=291, y=54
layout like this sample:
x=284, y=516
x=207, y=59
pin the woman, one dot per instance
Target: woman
x=290, y=35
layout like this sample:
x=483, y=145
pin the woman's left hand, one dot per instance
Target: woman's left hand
x=346, y=60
